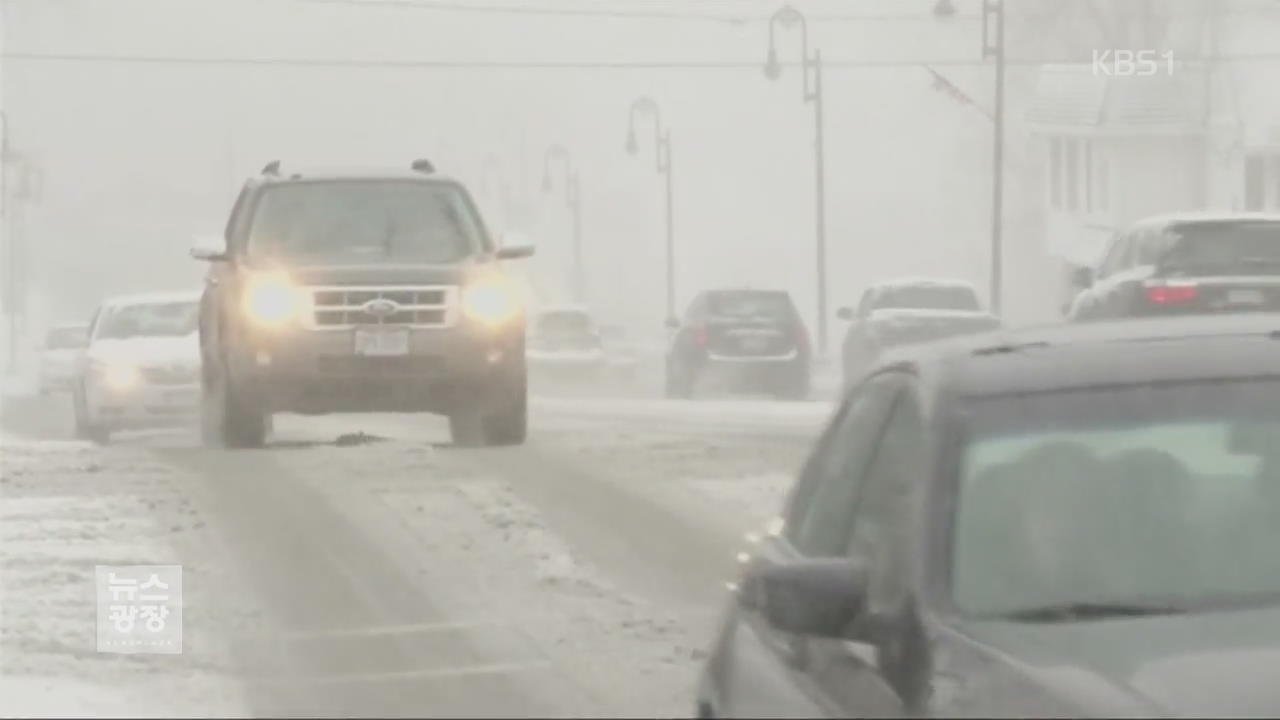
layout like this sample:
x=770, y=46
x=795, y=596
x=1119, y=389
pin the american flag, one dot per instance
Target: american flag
x=945, y=86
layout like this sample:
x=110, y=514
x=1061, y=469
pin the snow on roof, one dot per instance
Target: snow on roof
x=1206, y=216
x=153, y=298
x=918, y=281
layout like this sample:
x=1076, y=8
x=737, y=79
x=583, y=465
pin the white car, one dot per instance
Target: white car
x=60, y=357
x=565, y=340
x=141, y=367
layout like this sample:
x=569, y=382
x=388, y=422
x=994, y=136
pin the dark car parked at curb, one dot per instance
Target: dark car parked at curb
x=906, y=311
x=1059, y=522
x=360, y=291
x=742, y=338
x=1194, y=263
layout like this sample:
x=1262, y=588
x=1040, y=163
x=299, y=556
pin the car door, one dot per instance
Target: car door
x=768, y=675
x=880, y=669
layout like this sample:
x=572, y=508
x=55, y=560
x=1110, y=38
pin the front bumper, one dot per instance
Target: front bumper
x=319, y=371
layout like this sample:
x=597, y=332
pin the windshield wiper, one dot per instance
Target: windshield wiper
x=1071, y=611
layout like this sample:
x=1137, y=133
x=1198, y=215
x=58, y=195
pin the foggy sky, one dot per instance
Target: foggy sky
x=138, y=157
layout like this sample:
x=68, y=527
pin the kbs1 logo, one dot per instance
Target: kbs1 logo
x=1132, y=63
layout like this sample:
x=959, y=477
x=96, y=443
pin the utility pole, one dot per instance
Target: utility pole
x=662, y=152
x=996, y=8
x=812, y=93
x=573, y=199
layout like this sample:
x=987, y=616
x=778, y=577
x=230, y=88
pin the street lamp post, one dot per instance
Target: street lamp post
x=812, y=87
x=993, y=46
x=662, y=153
x=493, y=170
x=573, y=198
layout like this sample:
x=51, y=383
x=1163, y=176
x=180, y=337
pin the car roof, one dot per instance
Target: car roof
x=921, y=280
x=557, y=309
x=1206, y=216
x=1097, y=354
x=331, y=173
x=152, y=298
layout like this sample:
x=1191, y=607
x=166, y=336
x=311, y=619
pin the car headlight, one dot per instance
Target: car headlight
x=120, y=375
x=273, y=300
x=492, y=301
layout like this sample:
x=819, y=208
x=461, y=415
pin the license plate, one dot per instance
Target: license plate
x=1245, y=297
x=382, y=342
x=755, y=343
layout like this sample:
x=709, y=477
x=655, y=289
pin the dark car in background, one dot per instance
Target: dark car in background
x=740, y=339
x=565, y=343
x=1077, y=521
x=1193, y=263
x=906, y=311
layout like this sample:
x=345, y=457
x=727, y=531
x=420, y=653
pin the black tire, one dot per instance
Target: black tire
x=229, y=418
x=501, y=419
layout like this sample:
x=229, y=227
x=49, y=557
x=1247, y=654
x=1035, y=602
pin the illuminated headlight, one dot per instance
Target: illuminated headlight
x=492, y=301
x=120, y=375
x=273, y=300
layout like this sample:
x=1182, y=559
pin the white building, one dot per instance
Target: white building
x=1202, y=133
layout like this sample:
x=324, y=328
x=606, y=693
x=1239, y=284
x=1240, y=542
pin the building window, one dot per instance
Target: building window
x=1079, y=176
x=1055, y=173
x=1255, y=179
x=1071, y=175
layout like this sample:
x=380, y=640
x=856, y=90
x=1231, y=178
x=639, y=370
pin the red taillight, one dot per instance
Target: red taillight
x=802, y=339
x=1172, y=294
x=700, y=335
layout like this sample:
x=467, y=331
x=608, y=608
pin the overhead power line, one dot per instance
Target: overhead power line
x=539, y=64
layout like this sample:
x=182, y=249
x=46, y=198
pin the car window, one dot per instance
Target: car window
x=66, y=338
x=822, y=509
x=1117, y=257
x=926, y=296
x=1222, y=247
x=694, y=313
x=1167, y=494
x=364, y=221
x=169, y=319
x=746, y=304
x=882, y=519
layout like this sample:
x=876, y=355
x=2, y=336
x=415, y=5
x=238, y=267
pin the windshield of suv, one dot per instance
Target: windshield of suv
x=170, y=319
x=1168, y=494
x=364, y=221
x=1236, y=247
x=67, y=338
x=926, y=297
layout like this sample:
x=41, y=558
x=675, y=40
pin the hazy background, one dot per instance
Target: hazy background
x=139, y=152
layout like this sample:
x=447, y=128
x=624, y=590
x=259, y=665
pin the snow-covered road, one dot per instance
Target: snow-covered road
x=367, y=568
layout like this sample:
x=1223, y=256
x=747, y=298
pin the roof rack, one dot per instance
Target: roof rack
x=271, y=168
x=423, y=165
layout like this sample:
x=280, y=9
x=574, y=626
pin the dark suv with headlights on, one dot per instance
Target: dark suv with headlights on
x=1073, y=521
x=1193, y=263
x=352, y=292
x=744, y=338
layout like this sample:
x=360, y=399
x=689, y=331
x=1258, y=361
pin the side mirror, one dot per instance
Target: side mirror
x=209, y=247
x=819, y=597
x=845, y=314
x=1082, y=277
x=515, y=246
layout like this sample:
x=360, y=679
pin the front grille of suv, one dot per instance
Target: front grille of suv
x=419, y=306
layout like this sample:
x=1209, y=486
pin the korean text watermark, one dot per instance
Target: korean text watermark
x=139, y=608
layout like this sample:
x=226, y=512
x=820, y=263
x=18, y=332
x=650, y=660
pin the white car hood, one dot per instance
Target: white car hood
x=150, y=351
